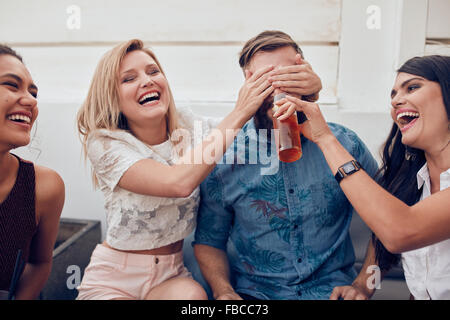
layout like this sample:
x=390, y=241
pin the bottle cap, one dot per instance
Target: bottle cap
x=279, y=97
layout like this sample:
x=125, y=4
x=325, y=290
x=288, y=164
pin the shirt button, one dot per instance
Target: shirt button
x=291, y=190
x=156, y=260
x=299, y=260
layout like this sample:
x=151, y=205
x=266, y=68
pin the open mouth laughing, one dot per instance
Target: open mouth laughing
x=149, y=98
x=20, y=118
x=407, y=118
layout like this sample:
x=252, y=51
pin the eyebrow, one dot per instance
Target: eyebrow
x=404, y=84
x=19, y=79
x=133, y=69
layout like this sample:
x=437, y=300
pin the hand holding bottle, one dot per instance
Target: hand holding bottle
x=287, y=138
x=315, y=128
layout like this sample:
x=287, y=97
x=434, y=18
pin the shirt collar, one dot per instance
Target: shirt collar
x=423, y=176
x=445, y=179
x=250, y=130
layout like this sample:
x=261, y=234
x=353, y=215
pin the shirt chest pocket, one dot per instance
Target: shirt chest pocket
x=328, y=203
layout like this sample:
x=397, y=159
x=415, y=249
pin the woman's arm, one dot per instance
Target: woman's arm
x=153, y=178
x=50, y=196
x=399, y=227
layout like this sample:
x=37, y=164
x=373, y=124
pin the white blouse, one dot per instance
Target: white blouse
x=427, y=270
x=136, y=221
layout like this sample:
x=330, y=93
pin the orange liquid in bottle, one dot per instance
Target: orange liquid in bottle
x=287, y=138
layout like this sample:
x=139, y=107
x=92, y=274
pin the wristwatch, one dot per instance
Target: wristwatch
x=347, y=169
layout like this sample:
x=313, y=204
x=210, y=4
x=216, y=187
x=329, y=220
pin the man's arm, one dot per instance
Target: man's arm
x=214, y=222
x=214, y=266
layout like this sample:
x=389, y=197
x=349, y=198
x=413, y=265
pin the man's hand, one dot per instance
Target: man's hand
x=231, y=295
x=298, y=79
x=352, y=292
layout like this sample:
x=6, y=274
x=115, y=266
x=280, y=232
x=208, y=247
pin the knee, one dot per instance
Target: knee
x=194, y=291
x=178, y=289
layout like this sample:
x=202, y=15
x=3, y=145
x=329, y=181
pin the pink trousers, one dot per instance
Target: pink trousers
x=112, y=274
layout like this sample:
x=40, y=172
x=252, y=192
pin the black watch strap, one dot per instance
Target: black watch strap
x=347, y=169
x=301, y=117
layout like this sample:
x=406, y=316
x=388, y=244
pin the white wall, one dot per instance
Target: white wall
x=438, y=27
x=198, y=42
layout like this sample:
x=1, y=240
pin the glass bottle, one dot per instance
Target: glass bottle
x=287, y=137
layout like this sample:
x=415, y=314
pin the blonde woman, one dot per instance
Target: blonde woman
x=132, y=133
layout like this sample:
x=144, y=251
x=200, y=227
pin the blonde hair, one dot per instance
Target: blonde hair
x=101, y=110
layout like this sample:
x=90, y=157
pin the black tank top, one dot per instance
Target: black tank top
x=17, y=222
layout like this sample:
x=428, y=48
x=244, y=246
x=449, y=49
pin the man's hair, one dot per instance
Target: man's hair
x=4, y=49
x=266, y=41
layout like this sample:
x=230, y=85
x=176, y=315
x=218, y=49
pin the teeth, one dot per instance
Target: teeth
x=150, y=95
x=407, y=114
x=20, y=117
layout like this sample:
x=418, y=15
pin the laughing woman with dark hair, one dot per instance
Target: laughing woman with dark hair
x=410, y=212
x=31, y=196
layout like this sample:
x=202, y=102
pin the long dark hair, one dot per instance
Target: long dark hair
x=398, y=173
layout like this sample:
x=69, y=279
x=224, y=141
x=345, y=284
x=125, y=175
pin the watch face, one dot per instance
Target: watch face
x=348, y=167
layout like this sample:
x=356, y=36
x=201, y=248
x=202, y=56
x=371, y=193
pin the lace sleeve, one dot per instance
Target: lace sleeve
x=188, y=120
x=111, y=155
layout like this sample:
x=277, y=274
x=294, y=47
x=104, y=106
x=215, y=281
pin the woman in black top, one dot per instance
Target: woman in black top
x=31, y=196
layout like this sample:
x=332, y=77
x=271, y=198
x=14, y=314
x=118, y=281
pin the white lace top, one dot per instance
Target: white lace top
x=135, y=221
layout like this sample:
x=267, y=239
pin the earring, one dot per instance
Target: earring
x=409, y=154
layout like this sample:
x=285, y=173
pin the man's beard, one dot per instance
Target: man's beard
x=262, y=120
